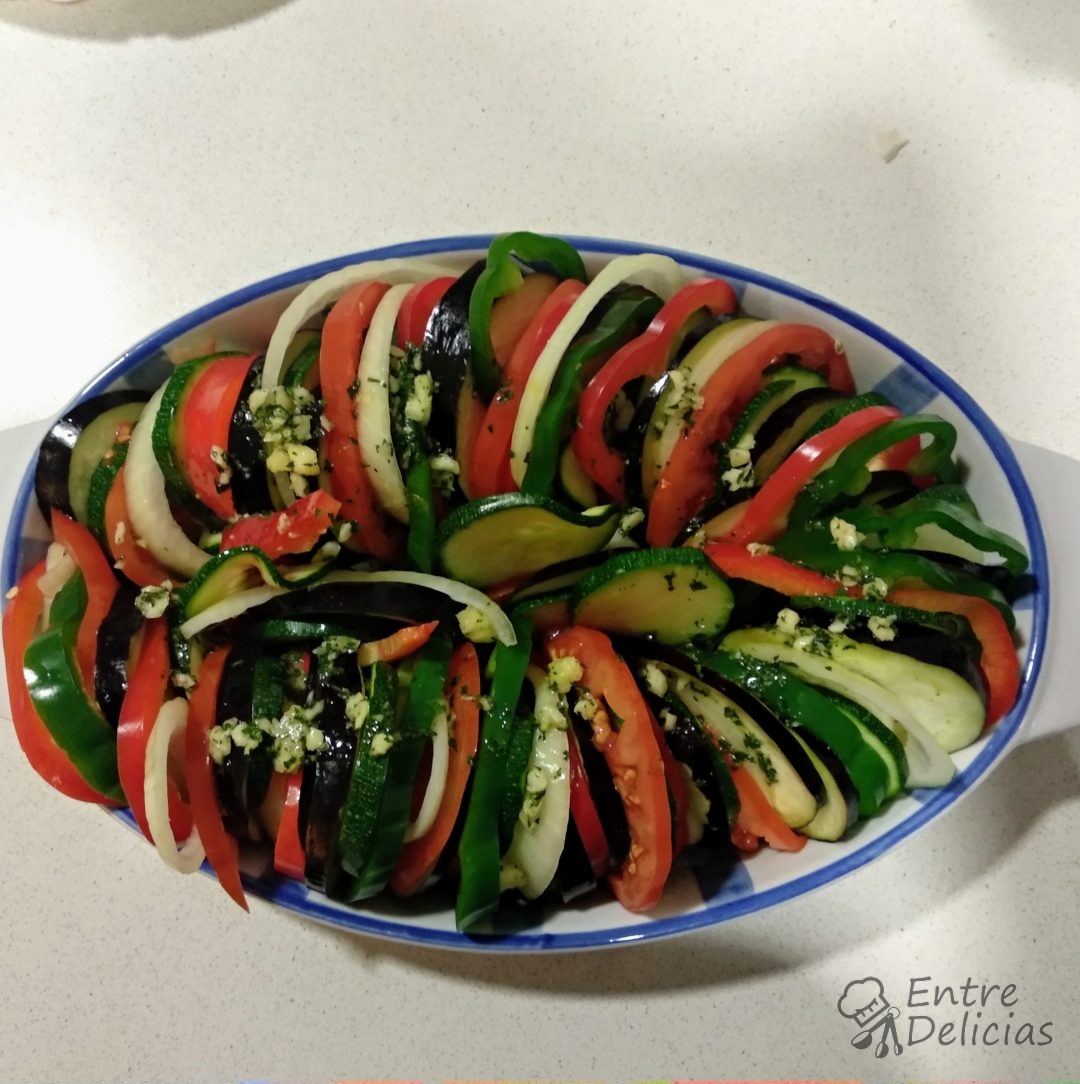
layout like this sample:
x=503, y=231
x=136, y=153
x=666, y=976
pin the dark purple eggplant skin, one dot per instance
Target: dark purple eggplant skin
x=120, y=627
x=54, y=454
x=246, y=451
x=446, y=353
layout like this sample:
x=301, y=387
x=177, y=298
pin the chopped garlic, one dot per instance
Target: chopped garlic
x=787, y=621
x=476, y=626
x=563, y=672
x=844, y=534
x=882, y=628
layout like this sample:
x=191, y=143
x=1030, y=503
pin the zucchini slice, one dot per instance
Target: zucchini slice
x=671, y=595
x=515, y=534
x=840, y=810
x=749, y=743
x=929, y=708
x=75, y=445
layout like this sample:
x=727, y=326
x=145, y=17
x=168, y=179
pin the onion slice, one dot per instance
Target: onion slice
x=148, y=506
x=171, y=719
x=440, y=766
x=373, y=426
x=324, y=291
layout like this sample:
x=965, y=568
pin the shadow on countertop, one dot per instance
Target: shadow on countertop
x=120, y=20
x=1039, y=36
x=991, y=822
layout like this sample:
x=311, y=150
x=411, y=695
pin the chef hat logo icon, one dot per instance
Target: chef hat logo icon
x=864, y=1001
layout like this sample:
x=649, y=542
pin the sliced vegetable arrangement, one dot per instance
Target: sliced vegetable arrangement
x=520, y=579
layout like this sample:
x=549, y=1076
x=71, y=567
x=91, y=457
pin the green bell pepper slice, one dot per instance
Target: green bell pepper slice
x=503, y=275
x=64, y=706
x=479, y=849
x=627, y=314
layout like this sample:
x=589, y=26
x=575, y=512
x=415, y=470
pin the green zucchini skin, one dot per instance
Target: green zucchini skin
x=512, y=535
x=58, y=457
x=674, y=596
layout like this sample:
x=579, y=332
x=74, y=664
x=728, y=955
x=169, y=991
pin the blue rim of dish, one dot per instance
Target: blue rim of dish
x=293, y=896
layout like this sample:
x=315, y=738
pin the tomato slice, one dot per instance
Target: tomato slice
x=738, y=563
x=646, y=356
x=398, y=645
x=221, y=848
x=689, y=476
x=764, y=517
x=147, y=689
x=339, y=359
x=130, y=558
x=678, y=793
x=419, y=857
x=288, y=850
x=999, y=664
x=623, y=731
x=757, y=819
x=490, y=462
x=416, y=309
x=101, y=588
x=295, y=529
x=22, y=618
x=202, y=429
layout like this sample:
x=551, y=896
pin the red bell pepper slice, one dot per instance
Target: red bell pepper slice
x=339, y=359
x=419, y=856
x=205, y=419
x=289, y=857
x=490, y=465
x=147, y=689
x=646, y=356
x=583, y=810
x=101, y=588
x=738, y=563
x=689, y=476
x=398, y=645
x=764, y=517
x=623, y=731
x=22, y=618
x=757, y=819
x=221, y=848
x=132, y=559
x=416, y=309
x=999, y=664
x=295, y=529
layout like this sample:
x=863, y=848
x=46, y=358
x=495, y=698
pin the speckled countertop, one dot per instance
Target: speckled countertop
x=156, y=153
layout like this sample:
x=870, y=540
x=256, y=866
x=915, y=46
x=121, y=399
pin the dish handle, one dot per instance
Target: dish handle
x=1055, y=483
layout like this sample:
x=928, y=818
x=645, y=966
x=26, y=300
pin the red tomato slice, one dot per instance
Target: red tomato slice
x=21, y=620
x=398, y=645
x=738, y=563
x=100, y=589
x=203, y=425
x=999, y=665
x=221, y=848
x=288, y=850
x=339, y=358
x=757, y=818
x=689, y=476
x=678, y=793
x=764, y=517
x=623, y=731
x=490, y=463
x=416, y=309
x=418, y=857
x=646, y=356
x=147, y=689
x=295, y=529
x=132, y=559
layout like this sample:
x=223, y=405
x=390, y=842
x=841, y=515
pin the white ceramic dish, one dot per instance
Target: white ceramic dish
x=1001, y=486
